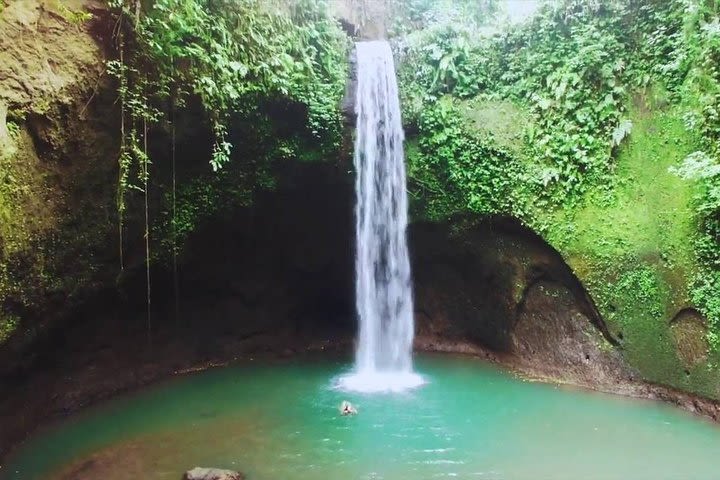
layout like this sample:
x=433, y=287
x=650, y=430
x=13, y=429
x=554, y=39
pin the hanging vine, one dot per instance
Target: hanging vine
x=228, y=57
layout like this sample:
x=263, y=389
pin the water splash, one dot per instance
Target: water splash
x=383, y=284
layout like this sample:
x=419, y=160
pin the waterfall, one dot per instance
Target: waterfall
x=383, y=283
x=382, y=266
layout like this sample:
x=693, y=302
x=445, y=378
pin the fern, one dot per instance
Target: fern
x=621, y=132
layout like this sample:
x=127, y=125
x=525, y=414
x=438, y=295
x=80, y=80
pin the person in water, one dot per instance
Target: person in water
x=347, y=408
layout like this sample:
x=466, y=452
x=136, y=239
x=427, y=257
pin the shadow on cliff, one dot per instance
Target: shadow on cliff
x=497, y=284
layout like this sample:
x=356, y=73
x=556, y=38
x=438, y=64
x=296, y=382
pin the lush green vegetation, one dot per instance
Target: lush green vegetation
x=573, y=68
x=264, y=81
x=596, y=123
x=211, y=95
x=232, y=57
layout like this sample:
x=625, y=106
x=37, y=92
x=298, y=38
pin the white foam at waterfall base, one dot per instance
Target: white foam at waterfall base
x=373, y=381
x=383, y=284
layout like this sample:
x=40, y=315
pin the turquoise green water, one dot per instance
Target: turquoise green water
x=281, y=422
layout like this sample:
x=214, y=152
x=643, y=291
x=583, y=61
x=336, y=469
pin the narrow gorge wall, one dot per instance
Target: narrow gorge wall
x=57, y=161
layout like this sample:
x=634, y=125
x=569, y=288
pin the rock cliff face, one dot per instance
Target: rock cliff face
x=501, y=286
x=57, y=161
x=51, y=51
x=363, y=19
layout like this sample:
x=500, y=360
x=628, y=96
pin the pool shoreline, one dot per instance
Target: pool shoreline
x=25, y=416
x=697, y=405
x=229, y=418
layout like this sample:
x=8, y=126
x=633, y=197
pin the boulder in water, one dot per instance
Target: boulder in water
x=199, y=473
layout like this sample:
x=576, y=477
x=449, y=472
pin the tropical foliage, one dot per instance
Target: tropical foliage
x=225, y=64
x=230, y=56
x=576, y=68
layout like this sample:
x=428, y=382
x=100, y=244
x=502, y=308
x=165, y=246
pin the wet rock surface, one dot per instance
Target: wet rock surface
x=689, y=332
x=552, y=334
x=199, y=473
x=363, y=19
x=486, y=282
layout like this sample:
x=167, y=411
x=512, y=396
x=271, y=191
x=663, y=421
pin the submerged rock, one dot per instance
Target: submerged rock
x=199, y=473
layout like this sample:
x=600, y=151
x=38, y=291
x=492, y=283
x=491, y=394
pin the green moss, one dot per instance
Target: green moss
x=649, y=210
x=8, y=326
x=629, y=242
x=646, y=216
x=26, y=212
x=503, y=121
x=12, y=226
x=633, y=304
x=73, y=17
x=631, y=245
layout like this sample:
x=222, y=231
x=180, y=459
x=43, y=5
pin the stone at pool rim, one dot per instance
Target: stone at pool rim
x=200, y=473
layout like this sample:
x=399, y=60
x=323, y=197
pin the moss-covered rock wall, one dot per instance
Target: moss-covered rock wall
x=586, y=124
x=56, y=161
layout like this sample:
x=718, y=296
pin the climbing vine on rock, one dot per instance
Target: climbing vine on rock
x=456, y=163
x=229, y=55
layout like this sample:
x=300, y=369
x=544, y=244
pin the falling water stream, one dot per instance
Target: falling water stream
x=383, y=282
